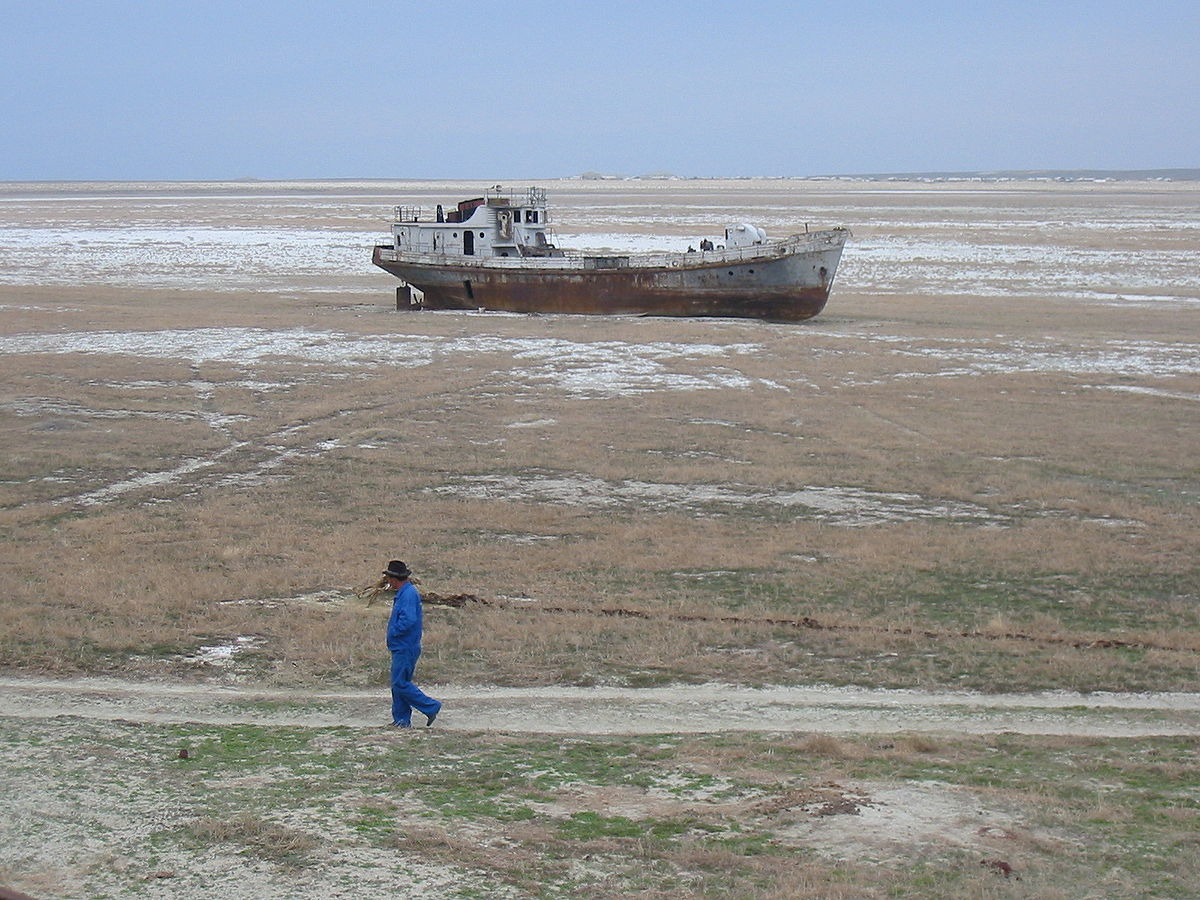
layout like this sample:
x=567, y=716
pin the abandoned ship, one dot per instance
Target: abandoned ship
x=497, y=252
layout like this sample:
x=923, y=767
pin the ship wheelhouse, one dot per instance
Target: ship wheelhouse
x=497, y=224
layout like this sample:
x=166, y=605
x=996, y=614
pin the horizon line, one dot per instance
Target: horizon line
x=1161, y=173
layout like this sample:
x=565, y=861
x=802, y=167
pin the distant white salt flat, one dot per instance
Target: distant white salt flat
x=884, y=257
x=205, y=258
x=597, y=369
x=656, y=223
x=1059, y=224
x=837, y=505
x=1070, y=222
x=913, y=265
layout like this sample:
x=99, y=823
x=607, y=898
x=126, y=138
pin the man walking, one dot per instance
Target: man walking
x=404, y=640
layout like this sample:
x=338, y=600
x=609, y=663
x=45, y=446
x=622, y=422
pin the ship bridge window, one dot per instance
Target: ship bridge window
x=531, y=215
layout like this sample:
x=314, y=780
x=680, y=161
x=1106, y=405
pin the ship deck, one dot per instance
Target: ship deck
x=575, y=260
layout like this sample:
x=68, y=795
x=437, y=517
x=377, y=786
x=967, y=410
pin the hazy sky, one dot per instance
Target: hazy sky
x=182, y=89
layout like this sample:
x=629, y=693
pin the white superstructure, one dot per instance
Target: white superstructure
x=497, y=224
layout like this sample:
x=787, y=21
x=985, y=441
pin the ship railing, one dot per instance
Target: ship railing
x=587, y=259
x=407, y=214
x=496, y=194
x=528, y=196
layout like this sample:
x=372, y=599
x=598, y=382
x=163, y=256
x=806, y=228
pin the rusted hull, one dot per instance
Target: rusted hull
x=782, y=288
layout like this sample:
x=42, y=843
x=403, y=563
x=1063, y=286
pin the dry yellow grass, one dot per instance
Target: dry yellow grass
x=1069, y=500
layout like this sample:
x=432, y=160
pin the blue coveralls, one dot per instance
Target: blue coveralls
x=404, y=640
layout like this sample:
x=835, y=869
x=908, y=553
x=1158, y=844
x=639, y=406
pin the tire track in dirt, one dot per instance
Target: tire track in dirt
x=711, y=708
x=812, y=624
x=239, y=462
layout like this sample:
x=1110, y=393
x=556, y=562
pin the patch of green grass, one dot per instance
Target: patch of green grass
x=474, y=801
x=743, y=843
x=373, y=820
x=243, y=745
x=589, y=826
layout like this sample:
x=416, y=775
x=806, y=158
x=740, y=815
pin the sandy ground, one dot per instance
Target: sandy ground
x=604, y=711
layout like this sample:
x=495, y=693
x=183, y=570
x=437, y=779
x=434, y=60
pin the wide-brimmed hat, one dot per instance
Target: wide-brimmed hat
x=397, y=569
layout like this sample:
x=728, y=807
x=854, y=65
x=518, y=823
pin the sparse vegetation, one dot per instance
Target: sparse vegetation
x=659, y=815
x=945, y=489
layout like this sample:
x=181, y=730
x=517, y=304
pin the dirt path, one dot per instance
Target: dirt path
x=578, y=710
